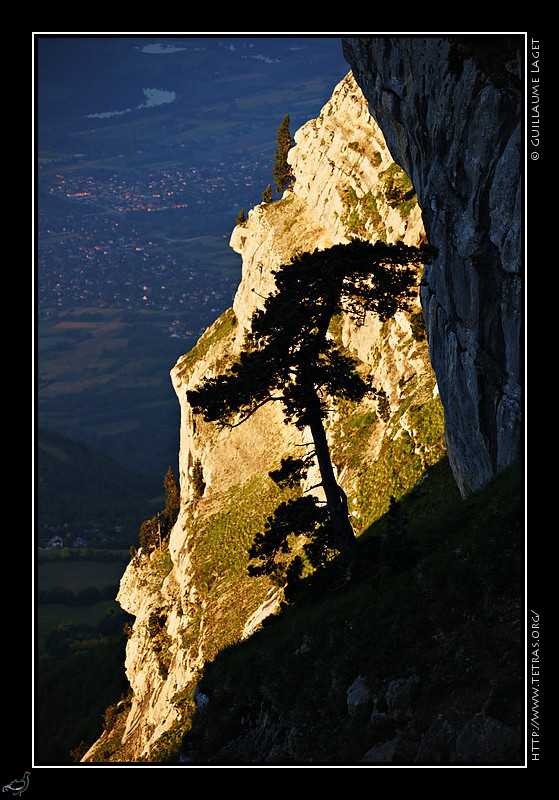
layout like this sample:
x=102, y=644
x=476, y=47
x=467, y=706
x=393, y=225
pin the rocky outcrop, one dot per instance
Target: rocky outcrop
x=451, y=115
x=196, y=597
x=393, y=731
x=343, y=174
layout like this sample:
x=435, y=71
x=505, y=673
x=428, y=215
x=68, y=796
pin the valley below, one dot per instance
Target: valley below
x=149, y=512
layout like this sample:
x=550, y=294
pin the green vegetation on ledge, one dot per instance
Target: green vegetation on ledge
x=224, y=326
x=361, y=214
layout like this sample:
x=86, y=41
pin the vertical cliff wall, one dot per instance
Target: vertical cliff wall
x=195, y=597
x=451, y=115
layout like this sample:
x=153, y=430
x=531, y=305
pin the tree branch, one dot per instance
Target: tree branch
x=223, y=424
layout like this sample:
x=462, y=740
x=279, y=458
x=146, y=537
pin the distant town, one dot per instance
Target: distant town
x=158, y=190
x=105, y=251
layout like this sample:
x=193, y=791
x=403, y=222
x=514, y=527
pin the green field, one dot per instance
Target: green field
x=84, y=349
x=106, y=382
x=58, y=572
x=76, y=575
x=49, y=617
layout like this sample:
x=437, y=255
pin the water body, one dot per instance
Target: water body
x=160, y=48
x=154, y=97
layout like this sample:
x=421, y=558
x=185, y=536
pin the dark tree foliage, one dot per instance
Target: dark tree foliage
x=156, y=531
x=300, y=517
x=289, y=358
x=282, y=170
x=267, y=196
x=292, y=471
x=149, y=534
x=198, y=481
x=172, y=495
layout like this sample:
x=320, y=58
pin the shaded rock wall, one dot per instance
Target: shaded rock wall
x=452, y=120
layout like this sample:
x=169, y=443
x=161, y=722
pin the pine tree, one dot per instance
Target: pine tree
x=282, y=171
x=290, y=358
x=267, y=194
x=198, y=483
x=155, y=531
x=149, y=535
x=172, y=502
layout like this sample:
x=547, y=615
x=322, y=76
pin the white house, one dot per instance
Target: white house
x=56, y=541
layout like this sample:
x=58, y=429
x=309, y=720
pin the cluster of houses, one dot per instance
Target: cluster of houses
x=79, y=542
x=57, y=541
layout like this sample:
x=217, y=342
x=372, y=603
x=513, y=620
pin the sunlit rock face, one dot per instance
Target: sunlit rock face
x=341, y=169
x=456, y=130
x=344, y=181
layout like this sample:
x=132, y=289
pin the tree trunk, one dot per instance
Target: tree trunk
x=336, y=500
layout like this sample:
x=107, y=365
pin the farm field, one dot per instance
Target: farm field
x=106, y=382
x=78, y=574
x=75, y=575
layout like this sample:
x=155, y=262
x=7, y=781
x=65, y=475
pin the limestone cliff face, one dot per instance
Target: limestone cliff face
x=453, y=122
x=342, y=171
x=195, y=598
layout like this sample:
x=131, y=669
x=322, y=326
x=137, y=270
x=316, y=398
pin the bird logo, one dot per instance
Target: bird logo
x=17, y=787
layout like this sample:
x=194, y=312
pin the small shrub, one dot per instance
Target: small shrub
x=418, y=327
x=198, y=483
